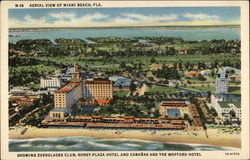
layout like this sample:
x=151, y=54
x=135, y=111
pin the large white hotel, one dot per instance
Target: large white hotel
x=51, y=82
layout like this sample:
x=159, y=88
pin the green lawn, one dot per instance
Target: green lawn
x=39, y=68
x=203, y=88
x=120, y=94
x=145, y=59
x=160, y=89
x=234, y=90
x=200, y=82
x=89, y=62
x=35, y=86
x=197, y=81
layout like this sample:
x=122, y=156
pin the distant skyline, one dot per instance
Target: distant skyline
x=118, y=17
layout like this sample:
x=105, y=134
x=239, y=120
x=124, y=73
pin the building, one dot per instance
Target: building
x=67, y=96
x=225, y=97
x=236, y=107
x=122, y=84
x=51, y=82
x=192, y=74
x=21, y=91
x=64, y=99
x=23, y=100
x=179, y=112
x=226, y=110
x=70, y=70
x=93, y=92
x=206, y=72
x=172, y=108
x=235, y=71
x=58, y=113
x=225, y=105
x=221, y=83
x=98, y=89
x=18, y=102
x=115, y=78
x=76, y=74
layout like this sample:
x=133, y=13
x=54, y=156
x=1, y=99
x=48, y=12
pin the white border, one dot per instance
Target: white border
x=244, y=152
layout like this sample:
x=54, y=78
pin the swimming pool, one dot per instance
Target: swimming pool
x=173, y=112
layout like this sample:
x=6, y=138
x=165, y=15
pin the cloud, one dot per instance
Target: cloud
x=28, y=21
x=151, y=18
x=104, y=19
x=62, y=15
x=71, y=19
x=94, y=19
x=200, y=16
x=89, y=19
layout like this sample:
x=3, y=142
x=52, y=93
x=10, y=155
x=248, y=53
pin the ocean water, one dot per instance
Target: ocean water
x=93, y=144
x=187, y=33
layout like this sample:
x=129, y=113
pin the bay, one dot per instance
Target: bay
x=187, y=33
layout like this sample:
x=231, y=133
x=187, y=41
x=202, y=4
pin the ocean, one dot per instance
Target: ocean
x=93, y=144
x=187, y=33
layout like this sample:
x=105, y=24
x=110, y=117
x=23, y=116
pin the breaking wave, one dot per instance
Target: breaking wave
x=94, y=144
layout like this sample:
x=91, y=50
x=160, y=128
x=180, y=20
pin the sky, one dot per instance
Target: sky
x=114, y=17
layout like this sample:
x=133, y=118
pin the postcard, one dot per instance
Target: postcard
x=124, y=80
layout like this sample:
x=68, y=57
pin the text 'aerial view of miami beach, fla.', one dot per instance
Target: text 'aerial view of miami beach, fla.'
x=125, y=79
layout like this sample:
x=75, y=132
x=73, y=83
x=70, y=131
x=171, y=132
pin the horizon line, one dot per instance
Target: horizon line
x=217, y=25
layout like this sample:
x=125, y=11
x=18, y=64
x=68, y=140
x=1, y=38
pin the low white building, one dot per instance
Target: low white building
x=20, y=90
x=51, y=82
x=237, y=110
x=236, y=71
x=206, y=72
x=224, y=109
x=115, y=78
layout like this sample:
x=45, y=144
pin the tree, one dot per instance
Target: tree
x=186, y=117
x=122, y=65
x=150, y=105
x=201, y=77
x=209, y=96
x=180, y=66
x=227, y=122
x=153, y=60
x=132, y=87
x=213, y=112
x=75, y=109
x=151, y=79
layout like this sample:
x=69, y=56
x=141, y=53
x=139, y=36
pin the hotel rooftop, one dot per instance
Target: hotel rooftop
x=123, y=82
x=173, y=103
x=98, y=81
x=227, y=104
x=69, y=87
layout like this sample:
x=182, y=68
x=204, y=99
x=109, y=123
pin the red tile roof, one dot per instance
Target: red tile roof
x=98, y=82
x=69, y=87
x=129, y=117
x=102, y=101
x=193, y=73
x=96, y=117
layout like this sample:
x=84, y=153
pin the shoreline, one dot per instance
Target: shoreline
x=136, y=26
x=216, y=138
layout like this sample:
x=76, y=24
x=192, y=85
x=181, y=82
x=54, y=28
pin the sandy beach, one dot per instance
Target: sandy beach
x=215, y=136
